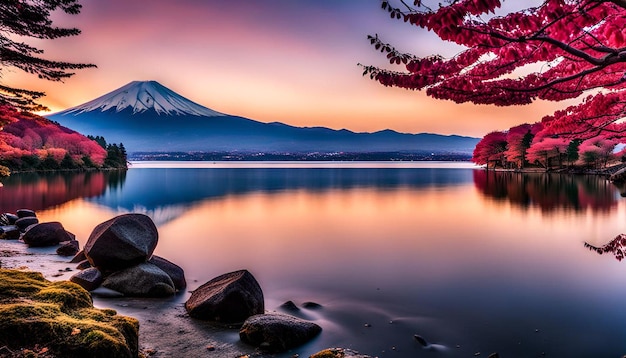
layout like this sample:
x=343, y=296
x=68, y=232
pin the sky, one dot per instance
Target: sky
x=274, y=60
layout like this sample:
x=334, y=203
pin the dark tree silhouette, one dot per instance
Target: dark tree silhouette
x=31, y=18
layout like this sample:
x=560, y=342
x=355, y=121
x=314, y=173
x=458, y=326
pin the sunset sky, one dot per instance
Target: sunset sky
x=274, y=60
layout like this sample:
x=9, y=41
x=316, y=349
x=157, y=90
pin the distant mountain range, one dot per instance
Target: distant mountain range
x=148, y=117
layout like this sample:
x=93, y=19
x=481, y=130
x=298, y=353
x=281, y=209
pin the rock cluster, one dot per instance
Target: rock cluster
x=237, y=297
x=118, y=256
x=25, y=225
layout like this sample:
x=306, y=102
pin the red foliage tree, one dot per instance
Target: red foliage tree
x=490, y=149
x=23, y=134
x=547, y=150
x=577, y=46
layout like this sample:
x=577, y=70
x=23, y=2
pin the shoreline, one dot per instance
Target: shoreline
x=165, y=330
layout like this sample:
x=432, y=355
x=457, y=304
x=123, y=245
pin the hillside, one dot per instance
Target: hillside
x=31, y=142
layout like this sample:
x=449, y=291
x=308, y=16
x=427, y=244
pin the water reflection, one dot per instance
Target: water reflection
x=549, y=192
x=159, y=189
x=40, y=191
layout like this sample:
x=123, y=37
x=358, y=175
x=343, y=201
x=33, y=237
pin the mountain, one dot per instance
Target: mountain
x=148, y=117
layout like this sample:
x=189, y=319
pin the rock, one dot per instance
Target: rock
x=312, y=305
x=89, y=279
x=25, y=213
x=24, y=223
x=230, y=298
x=7, y=219
x=143, y=280
x=494, y=355
x=420, y=340
x=338, y=353
x=71, y=236
x=68, y=249
x=9, y=232
x=289, y=306
x=172, y=270
x=85, y=264
x=44, y=234
x=80, y=256
x=124, y=241
x=277, y=332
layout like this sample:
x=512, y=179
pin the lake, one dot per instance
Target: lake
x=472, y=261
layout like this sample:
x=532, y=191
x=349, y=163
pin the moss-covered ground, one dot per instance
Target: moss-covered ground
x=40, y=318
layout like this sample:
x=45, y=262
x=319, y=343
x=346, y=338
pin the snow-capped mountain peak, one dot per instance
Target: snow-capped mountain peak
x=142, y=96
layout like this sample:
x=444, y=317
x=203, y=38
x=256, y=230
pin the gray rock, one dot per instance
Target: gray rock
x=231, y=297
x=9, y=232
x=89, y=279
x=68, y=249
x=25, y=222
x=143, y=280
x=312, y=305
x=80, y=256
x=25, y=213
x=277, y=332
x=121, y=242
x=174, y=271
x=289, y=306
x=85, y=264
x=44, y=234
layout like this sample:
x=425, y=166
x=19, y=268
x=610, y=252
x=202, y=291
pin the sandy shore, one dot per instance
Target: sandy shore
x=165, y=329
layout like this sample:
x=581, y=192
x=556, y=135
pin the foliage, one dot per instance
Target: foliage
x=557, y=51
x=491, y=149
x=32, y=19
x=59, y=318
x=30, y=142
x=116, y=156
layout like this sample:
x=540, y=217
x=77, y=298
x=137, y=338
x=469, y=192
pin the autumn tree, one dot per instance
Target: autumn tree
x=32, y=19
x=559, y=50
x=491, y=149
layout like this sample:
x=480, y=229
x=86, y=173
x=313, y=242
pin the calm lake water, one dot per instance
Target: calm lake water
x=471, y=261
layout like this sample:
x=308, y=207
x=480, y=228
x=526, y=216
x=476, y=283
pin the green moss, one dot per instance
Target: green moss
x=60, y=316
x=329, y=353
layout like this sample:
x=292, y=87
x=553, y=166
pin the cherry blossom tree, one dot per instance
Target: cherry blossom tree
x=559, y=50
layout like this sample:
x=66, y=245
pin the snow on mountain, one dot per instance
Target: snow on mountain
x=142, y=96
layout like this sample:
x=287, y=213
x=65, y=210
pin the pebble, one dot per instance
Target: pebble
x=367, y=325
x=210, y=348
x=420, y=339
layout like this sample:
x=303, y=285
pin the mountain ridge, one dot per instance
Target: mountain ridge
x=174, y=123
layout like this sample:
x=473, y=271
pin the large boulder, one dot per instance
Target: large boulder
x=277, y=332
x=231, y=297
x=89, y=279
x=174, y=271
x=124, y=241
x=45, y=234
x=143, y=280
